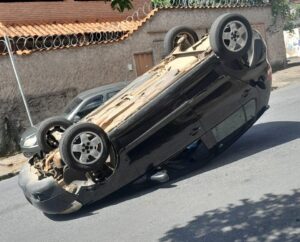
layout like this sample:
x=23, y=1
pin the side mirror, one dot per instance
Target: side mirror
x=76, y=119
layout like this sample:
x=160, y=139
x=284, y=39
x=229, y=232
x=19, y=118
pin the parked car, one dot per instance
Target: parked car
x=79, y=107
x=205, y=93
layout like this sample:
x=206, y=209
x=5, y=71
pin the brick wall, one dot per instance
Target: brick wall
x=61, y=11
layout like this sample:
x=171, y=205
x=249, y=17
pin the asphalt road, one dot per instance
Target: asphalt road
x=250, y=193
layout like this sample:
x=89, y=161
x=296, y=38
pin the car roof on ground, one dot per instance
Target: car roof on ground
x=103, y=89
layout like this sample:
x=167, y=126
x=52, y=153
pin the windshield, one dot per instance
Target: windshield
x=73, y=105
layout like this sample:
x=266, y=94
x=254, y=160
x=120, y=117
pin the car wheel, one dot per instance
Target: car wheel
x=50, y=132
x=173, y=35
x=230, y=36
x=85, y=147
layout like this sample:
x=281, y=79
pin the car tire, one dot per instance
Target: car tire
x=80, y=152
x=230, y=36
x=173, y=35
x=45, y=139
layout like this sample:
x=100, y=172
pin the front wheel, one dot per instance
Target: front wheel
x=85, y=147
x=230, y=36
x=50, y=131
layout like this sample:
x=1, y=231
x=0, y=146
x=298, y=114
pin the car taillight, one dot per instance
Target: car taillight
x=269, y=77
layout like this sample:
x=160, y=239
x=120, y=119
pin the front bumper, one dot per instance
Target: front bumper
x=30, y=151
x=46, y=194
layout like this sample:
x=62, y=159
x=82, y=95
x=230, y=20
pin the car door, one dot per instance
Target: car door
x=228, y=104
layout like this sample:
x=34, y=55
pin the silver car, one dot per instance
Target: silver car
x=80, y=106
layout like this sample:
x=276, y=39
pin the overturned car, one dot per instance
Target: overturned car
x=208, y=91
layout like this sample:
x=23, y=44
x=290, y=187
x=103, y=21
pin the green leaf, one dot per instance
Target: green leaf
x=121, y=5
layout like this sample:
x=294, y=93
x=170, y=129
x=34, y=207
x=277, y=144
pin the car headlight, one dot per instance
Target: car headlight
x=31, y=141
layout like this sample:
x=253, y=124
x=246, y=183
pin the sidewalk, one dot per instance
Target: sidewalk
x=287, y=76
x=10, y=166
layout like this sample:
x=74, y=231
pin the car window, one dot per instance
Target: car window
x=90, y=106
x=111, y=94
x=72, y=105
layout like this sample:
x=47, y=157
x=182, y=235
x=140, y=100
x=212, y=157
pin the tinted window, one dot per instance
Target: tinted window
x=72, y=105
x=90, y=106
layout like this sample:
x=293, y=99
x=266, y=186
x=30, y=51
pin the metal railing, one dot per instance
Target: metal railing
x=7, y=44
x=206, y=3
x=22, y=45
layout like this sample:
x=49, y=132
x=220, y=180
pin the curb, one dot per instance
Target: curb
x=288, y=65
x=9, y=175
x=292, y=64
x=293, y=61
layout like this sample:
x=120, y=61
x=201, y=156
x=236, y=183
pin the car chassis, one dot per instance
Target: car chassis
x=201, y=94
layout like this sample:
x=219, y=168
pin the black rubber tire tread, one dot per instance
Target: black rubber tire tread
x=215, y=36
x=44, y=128
x=171, y=35
x=66, y=142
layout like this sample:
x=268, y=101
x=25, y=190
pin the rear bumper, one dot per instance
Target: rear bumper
x=46, y=194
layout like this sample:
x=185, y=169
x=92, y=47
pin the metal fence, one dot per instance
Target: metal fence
x=28, y=44
x=206, y=3
x=24, y=45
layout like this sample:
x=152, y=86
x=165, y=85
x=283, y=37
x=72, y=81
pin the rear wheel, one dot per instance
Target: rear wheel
x=230, y=36
x=175, y=34
x=84, y=146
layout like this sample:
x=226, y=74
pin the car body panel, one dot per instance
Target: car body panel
x=178, y=102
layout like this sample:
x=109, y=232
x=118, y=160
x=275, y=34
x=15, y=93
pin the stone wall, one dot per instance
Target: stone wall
x=13, y=117
x=52, y=78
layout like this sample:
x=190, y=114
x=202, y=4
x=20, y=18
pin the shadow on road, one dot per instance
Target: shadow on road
x=260, y=137
x=273, y=218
